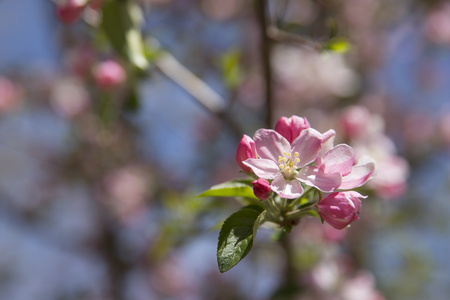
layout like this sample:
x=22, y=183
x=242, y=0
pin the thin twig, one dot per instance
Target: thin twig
x=289, y=38
x=266, y=47
x=197, y=88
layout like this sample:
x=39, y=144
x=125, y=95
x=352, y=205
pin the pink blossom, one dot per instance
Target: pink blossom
x=355, y=121
x=261, y=188
x=70, y=11
x=279, y=160
x=336, y=167
x=391, y=181
x=245, y=150
x=291, y=127
x=10, y=95
x=341, y=208
x=109, y=74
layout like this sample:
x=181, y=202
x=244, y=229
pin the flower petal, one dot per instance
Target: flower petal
x=316, y=177
x=359, y=175
x=264, y=168
x=308, y=145
x=289, y=189
x=327, y=144
x=339, y=159
x=270, y=144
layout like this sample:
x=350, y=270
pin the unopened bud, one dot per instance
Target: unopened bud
x=109, y=74
x=245, y=150
x=291, y=127
x=341, y=208
x=261, y=188
x=70, y=11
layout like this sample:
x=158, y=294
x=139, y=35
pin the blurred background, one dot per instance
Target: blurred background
x=115, y=114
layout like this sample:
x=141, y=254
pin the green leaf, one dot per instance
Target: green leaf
x=338, y=45
x=231, y=68
x=121, y=21
x=237, y=235
x=234, y=188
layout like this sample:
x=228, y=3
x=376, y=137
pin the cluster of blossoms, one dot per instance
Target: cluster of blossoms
x=295, y=156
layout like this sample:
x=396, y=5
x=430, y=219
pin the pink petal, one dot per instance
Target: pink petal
x=308, y=145
x=327, y=144
x=316, y=177
x=264, y=168
x=354, y=196
x=359, y=175
x=270, y=144
x=339, y=159
x=289, y=189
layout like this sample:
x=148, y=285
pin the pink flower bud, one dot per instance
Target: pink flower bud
x=70, y=11
x=291, y=127
x=340, y=209
x=245, y=150
x=109, y=74
x=261, y=188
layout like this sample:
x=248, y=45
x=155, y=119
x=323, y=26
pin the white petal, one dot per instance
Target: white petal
x=308, y=146
x=360, y=175
x=264, y=168
x=270, y=144
x=289, y=189
x=316, y=177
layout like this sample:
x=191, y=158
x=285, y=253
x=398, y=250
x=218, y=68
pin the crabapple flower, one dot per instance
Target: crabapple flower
x=341, y=208
x=291, y=127
x=261, y=188
x=245, y=150
x=335, y=167
x=109, y=74
x=280, y=161
x=70, y=11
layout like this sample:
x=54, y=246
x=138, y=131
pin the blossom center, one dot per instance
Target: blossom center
x=288, y=165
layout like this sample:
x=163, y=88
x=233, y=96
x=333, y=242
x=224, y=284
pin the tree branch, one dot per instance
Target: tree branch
x=266, y=48
x=198, y=89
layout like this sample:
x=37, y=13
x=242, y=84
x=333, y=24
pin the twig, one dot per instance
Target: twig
x=266, y=47
x=285, y=37
x=197, y=88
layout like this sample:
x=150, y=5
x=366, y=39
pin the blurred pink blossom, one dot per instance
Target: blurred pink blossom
x=362, y=286
x=70, y=11
x=437, y=24
x=128, y=190
x=312, y=76
x=109, y=74
x=418, y=128
x=444, y=128
x=390, y=181
x=10, y=95
x=332, y=234
x=69, y=97
x=355, y=121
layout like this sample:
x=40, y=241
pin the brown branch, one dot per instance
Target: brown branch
x=198, y=89
x=266, y=49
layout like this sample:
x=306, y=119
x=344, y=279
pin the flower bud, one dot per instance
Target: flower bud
x=109, y=74
x=245, y=150
x=70, y=11
x=341, y=208
x=291, y=127
x=261, y=188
